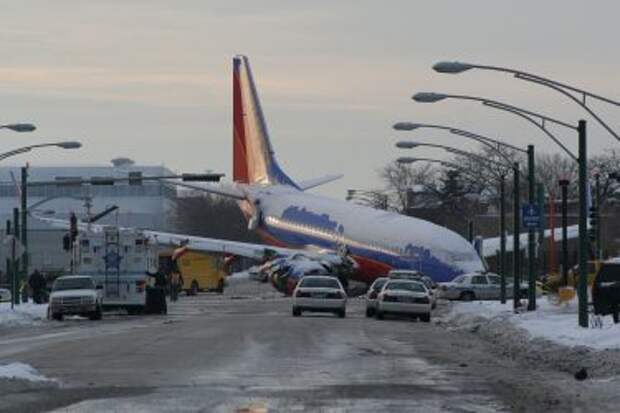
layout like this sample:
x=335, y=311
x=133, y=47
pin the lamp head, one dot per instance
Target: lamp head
x=428, y=97
x=69, y=145
x=20, y=127
x=406, y=160
x=451, y=67
x=405, y=126
x=406, y=145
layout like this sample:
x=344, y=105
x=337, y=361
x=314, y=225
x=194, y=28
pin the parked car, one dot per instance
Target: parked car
x=606, y=290
x=404, y=297
x=371, y=295
x=5, y=295
x=319, y=293
x=418, y=276
x=477, y=286
x=75, y=295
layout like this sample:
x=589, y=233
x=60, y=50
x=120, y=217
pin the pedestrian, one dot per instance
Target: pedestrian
x=175, y=282
x=38, y=284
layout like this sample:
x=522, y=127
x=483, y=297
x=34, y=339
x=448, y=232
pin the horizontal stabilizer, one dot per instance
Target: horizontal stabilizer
x=490, y=246
x=227, y=190
x=311, y=183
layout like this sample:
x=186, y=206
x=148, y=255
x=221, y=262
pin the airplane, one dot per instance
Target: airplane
x=290, y=219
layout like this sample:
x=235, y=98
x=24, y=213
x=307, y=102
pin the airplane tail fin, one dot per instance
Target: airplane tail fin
x=253, y=157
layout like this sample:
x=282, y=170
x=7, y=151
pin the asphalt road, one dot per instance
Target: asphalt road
x=235, y=354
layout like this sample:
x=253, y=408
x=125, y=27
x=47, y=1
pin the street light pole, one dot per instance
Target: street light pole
x=582, y=290
x=516, y=235
x=531, y=291
x=597, y=228
x=24, y=221
x=502, y=238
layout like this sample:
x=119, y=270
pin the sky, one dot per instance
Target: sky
x=151, y=80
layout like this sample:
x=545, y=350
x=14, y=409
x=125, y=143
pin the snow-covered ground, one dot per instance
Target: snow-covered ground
x=22, y=314
x=21, y=371
x=549, y=321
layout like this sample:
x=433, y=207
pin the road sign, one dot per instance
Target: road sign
x=531, y=216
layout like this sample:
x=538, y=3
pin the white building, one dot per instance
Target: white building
x=149, y=205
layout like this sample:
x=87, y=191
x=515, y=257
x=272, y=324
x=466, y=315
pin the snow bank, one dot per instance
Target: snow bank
x=21, y=371
x=551, y=322
x=22, y=314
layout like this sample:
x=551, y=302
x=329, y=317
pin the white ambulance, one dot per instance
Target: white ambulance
x=118, y=261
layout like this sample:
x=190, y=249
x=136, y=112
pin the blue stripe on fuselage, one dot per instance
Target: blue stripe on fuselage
x=421, y=258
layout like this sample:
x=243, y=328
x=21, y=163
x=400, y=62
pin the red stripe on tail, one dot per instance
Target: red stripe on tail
x=240, y=166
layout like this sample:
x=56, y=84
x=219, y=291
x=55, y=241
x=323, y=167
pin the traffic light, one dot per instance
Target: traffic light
x=73, y=227
x=593, y=216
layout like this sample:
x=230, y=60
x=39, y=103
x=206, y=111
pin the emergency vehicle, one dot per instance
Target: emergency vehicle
x=117, y=260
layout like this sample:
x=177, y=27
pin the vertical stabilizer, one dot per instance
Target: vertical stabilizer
x=253, y=156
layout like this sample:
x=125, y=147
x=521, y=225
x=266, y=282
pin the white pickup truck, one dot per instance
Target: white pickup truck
x=75, y=295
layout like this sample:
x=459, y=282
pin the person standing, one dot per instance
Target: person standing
x=38, y=285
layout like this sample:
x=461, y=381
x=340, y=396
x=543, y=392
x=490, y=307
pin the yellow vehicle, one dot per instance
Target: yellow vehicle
x=200, y=271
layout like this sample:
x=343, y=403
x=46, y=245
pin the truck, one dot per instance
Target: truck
x=200, y=271
x=118, y=260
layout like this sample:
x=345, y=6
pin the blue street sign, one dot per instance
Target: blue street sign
x=531, y=216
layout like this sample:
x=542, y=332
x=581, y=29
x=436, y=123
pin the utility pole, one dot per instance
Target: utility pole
x=531, y=262
x=14, y=259
x=9, y=268
x=502, y=238
x=582, y=288
x=597, y=229
x=24, y=216
x=516, y=234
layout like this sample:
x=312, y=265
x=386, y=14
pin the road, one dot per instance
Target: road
x=235, y=354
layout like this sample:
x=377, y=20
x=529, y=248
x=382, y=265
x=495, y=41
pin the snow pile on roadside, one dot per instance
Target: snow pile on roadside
x=22, y=314
x=546, y=338
x=551, y=322
x=21, y=371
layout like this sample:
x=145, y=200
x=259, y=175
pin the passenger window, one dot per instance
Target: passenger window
x=494, y=280
x=479, y=279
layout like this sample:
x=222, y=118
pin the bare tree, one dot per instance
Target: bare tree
x=212, y=216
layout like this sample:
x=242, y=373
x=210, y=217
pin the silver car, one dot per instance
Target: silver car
x=475, y=286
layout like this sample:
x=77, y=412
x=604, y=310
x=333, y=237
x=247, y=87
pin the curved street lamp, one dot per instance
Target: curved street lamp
x=494, y=144
x=540, y=121
x=581, y=159
x=516, y=215
x=459, y=67
x=63, y=145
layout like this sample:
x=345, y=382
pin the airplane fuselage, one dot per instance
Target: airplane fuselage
x=378, y=240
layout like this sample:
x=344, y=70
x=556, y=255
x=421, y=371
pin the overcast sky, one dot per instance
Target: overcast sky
x=151, y=80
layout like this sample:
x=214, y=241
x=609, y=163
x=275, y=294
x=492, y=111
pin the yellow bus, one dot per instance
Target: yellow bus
x=200, y=271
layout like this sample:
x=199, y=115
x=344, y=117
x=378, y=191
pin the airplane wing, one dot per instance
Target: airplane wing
x=311, y=183
x=490, y=246
x=244, y=249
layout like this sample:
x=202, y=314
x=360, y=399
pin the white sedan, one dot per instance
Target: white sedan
x=405, y=297
x=319, y=293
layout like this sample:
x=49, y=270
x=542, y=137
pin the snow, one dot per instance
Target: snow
x=22, y=314
x=557, y=323
x=21, y=371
